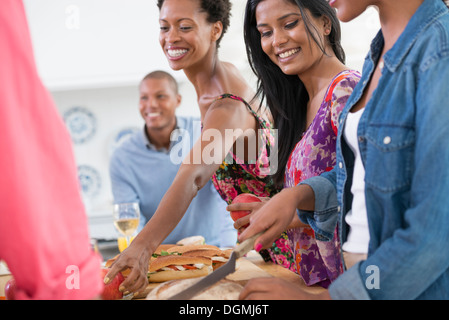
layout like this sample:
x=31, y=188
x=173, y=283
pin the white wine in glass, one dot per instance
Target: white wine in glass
x=126, y=218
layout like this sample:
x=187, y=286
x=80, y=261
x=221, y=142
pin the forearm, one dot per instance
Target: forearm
x=198, y=167
x=300, y=197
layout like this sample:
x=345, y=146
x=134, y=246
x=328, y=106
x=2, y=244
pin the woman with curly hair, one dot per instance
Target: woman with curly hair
x=235, y=142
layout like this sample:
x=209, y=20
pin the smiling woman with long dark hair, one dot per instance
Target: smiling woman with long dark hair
x=388, y=193
x=294, y=49
x=285, y=93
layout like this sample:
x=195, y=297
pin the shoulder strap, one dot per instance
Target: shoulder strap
x=234, y=97
x=337, y=80
x=340, y=77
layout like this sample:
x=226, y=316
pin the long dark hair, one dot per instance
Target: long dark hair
x=286, y=95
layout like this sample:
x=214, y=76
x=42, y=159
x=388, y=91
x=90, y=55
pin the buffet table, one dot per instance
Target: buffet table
x=251, y=266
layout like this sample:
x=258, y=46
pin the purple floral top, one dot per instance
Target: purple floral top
x=316, y=261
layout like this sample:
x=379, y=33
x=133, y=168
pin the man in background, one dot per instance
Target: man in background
x=142, y=168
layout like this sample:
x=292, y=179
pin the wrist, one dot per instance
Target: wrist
x=301, y=196
x=144, y=243
x=306, y=198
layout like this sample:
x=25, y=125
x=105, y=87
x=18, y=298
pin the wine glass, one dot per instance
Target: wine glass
x=126, y=218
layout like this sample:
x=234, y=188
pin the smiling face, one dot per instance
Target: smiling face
x=158, y=102
x=185, y=34
x=284, y=37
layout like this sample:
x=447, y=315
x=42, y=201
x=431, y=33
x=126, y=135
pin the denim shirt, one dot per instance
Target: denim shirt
x=404, y=143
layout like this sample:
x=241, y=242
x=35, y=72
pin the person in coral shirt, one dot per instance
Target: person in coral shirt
x=43, y=226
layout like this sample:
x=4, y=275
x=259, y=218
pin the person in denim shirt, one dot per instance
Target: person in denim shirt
x=403, y=140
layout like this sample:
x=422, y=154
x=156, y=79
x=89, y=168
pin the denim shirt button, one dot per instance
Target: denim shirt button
x=340, y=164
x=361, y=139
x=387, y=140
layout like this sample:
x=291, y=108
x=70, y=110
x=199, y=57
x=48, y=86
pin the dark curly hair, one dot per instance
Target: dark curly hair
x=217, y=10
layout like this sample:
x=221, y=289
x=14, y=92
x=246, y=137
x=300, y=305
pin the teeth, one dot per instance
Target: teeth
x=153, y=114
x=176, y=53
x=288, y=53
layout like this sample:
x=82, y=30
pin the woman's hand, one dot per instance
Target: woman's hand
x=136, y=258
x=275, y=216
x=242, y=223
x=277, y=289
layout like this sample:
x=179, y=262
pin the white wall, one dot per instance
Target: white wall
x=93, y=53
x=80, y=43
x=357, y=36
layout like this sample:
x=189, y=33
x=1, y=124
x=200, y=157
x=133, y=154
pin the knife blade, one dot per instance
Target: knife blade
x=128, y=296
x=228, y=268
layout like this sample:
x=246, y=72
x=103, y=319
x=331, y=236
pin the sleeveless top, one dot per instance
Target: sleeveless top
x=234, y=176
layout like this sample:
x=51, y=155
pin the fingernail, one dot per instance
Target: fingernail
x=106, y=280
x=258, y=247
x=121, y=288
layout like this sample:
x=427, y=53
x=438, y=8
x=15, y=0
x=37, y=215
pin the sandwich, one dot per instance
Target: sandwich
x=160, y=251
x=194, y=240
x=170, y=262
x=186, y=248
x=163, y=248
x=172, y=267
x=218, y=256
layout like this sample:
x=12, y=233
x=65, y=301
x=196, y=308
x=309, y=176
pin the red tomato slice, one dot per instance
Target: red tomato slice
x=189, y=266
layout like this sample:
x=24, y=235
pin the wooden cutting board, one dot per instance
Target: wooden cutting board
x=245, y=270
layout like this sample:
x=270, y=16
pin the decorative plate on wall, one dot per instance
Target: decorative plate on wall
x=81, y=123
x=90, y=180
x=121, y=136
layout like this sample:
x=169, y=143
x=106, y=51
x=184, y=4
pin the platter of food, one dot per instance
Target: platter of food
x=172, y=268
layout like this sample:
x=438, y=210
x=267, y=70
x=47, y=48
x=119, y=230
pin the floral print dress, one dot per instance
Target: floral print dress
x=318, y=262
x=234, y=176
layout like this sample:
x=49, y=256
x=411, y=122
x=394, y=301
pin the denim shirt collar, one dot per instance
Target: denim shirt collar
x=423, y=17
